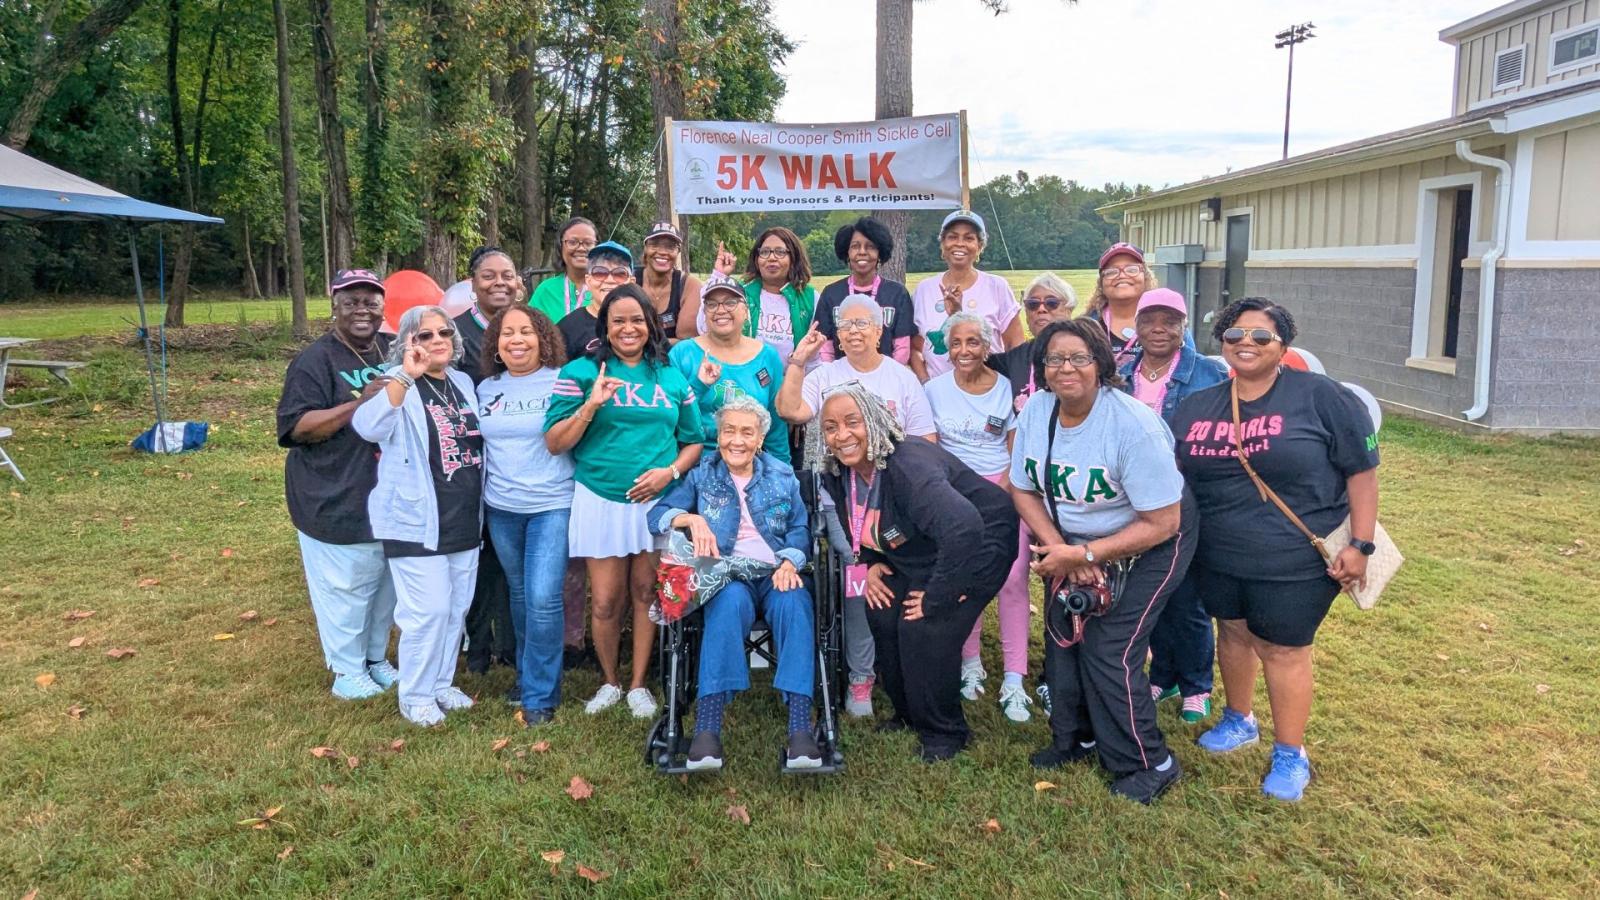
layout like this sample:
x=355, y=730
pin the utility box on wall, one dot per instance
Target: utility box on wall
x=1177, y=267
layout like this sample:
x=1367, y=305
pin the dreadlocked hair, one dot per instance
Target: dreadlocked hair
x=884, y=431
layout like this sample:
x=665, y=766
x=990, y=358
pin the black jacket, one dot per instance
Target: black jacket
x=942, y=526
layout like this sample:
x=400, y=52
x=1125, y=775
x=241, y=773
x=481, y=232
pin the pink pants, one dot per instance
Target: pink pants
x=1012, y=607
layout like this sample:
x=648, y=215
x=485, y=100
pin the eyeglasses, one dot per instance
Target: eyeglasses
x=361, y=303
x=1034, y=304
x=425, y=336
x=603, y=273
x=1077, y=360
x=846, y=325
x=773, y=252
x=1129, y=269
x=577, y=243
x=1261, y=336
x=721, y=303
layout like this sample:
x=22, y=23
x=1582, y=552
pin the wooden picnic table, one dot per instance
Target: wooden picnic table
x=57, y=368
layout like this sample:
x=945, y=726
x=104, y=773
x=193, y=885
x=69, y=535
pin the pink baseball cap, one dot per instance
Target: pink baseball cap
x=346, y=278
x=1121, y=248
x=1163, y=297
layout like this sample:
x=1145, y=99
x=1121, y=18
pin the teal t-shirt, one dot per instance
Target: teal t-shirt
x=760, y=378
x=641, y=428
x=556, y=296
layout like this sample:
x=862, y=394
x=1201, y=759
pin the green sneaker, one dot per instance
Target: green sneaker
x=1196, y=709
x=1159, y=694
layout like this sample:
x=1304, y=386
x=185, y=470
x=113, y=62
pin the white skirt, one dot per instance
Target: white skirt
x=600, y=528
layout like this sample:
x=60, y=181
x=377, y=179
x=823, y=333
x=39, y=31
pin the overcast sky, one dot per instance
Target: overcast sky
x=1155, y=91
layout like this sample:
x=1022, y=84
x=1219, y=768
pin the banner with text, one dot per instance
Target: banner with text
x=912, y=163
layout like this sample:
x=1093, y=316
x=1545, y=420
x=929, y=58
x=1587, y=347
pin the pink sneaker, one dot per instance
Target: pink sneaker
x=859, y=702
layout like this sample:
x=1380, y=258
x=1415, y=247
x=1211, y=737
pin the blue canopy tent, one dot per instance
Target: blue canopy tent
x=32, y=191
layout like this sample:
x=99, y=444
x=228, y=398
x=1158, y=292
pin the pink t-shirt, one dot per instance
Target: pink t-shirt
x=749, y=542
x=990, y=296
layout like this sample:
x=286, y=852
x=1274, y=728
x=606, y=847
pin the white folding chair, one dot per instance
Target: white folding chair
x=5, y=458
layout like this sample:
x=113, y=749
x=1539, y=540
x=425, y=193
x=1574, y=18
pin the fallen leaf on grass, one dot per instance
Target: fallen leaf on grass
x=265, y=820
x=352, y=761
x=540, y=747
x=324, y=752
x=554, y=858
x=992, y=826
x=520, y=719
x=1040, y=786
x=121, y=652
x=1483, y=626
x=595, y=876
x=78, y=614
x=500, y=744
x=578, y=789
x=75, y=712
x=227, y=552
x=222, y=636
x=149, y=582
x=284, y=853
x=44, y=679
x=31, y=895
x=270, y=622
x=77, y=642
x=1443, y=657
x=249, y=615
x=1541, y=689
x=397, y=744
x=740, y=814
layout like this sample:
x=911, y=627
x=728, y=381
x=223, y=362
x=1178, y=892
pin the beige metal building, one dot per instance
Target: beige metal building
x=1391, y=251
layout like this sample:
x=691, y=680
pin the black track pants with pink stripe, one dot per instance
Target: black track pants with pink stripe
x=1098, y=687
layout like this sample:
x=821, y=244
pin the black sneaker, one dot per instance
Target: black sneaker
x=573, y=657
x=1053, y=758
x=532, y=717
x=705, y=752
x=514, y=695
x=889, y=725
x=932, y=753
x=803, y=751
x=1146, y=785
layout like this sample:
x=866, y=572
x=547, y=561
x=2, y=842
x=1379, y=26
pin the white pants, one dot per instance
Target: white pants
x=353, y=599
x=434, y=593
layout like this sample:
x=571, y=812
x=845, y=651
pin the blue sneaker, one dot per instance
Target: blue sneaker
x=1291, y=771
x=1231, y=733
x=355, y=687
x=385, y=674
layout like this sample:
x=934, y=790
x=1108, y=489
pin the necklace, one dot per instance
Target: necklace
x=359, y=356
x=427, y=382
x=1156, y=375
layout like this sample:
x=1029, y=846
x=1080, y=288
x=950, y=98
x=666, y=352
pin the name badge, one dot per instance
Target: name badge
x=996, y=425
x=763, y=377
x=893, y=537
x=855, y=581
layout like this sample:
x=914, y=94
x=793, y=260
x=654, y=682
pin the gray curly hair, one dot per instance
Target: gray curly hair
x=884, y=431
x=411, y=323
x=985, y=330
x=744, y=403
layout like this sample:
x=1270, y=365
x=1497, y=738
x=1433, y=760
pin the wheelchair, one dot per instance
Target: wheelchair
x=678, y=654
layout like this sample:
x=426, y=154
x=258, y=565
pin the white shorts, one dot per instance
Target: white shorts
x=601, y=528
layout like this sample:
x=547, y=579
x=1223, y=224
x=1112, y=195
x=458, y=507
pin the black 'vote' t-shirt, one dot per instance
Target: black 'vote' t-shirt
x=1305, y=436
x=326, y=484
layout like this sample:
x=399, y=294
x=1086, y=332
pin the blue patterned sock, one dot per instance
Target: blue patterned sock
x=799, y=711
x=708, y=712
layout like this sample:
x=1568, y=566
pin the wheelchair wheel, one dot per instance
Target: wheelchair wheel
x=656, y=751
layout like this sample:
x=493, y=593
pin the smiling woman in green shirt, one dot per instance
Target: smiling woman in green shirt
x=632, y=425
x=555, y=297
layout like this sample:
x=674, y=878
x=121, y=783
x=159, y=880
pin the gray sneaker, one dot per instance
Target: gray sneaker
x=858, y=700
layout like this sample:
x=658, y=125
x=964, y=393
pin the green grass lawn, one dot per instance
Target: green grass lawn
x=1453, y=733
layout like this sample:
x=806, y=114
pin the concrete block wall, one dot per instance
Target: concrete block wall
x=1547, y=349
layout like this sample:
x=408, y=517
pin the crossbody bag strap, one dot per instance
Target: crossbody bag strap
x=1267, y=493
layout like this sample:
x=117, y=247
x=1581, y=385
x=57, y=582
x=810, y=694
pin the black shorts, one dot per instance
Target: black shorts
x=1286, y=613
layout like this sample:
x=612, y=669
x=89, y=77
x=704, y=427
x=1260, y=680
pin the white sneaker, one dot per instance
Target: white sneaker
x=858, y=699
x=427, y=714
x=603, y=699
x=642, y=703
x=453, y=698
x=1014, y=702
x=384, y=673
x=972, y=675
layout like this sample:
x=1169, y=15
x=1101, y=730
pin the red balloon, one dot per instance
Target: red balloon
x=405, y=289
x=1294, y=360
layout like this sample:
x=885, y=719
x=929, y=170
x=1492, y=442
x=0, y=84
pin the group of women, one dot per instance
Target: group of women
x=621, y=406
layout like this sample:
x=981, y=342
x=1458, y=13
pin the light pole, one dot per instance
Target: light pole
x=1294, y=34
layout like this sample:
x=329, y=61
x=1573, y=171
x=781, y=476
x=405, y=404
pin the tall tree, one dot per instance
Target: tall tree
x=662, y=20
x=525, y=109
x=893, y=101
x=52, y=61
x=325, y=71
x=291, y=178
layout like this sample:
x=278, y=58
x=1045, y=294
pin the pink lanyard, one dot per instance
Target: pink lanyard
x=870, y=290
x=567, y=284
x=858, y=515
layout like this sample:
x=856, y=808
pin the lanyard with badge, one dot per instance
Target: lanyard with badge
x=855, y=574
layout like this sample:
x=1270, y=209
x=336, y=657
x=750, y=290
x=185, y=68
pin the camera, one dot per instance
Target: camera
x=1071, y=605
x=1086, y=599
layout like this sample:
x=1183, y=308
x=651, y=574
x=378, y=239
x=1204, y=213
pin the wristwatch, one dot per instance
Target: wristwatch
x=1088, y=555
x=1367, y=548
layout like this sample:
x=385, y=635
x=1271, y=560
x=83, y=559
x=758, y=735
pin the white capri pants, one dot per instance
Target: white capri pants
x=353, y=600
x=433, y=594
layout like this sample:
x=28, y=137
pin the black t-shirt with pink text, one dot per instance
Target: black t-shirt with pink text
x=455, y=454
x=1305, y=436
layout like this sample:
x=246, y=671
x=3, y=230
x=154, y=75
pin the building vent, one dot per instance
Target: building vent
x=1508, y=67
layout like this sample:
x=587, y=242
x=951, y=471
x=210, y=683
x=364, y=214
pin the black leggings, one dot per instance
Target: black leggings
x=1098, y=688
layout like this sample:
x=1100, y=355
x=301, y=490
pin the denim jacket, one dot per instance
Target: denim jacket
x=1194, y=373
x=773, y=496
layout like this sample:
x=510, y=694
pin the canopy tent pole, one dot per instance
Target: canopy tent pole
x=144, y=337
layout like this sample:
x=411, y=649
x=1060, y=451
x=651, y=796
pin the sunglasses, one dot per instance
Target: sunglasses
x=1050, y=303
x=601, y=273
x=1260, y=336
x=1076, y=360
x=423, y=337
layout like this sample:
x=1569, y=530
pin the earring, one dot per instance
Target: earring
x=498, y=359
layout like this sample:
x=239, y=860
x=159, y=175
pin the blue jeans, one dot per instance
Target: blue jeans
x=1182, y=645
x=724, y=666
x=533, y=551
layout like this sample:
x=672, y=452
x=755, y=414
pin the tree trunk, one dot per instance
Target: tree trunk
x=251, y=284
x=525, y=110
x=894, y=100
x=184, y=258
x=48, y=72
x=375, y=137
x=291, y=187
x=341, y=218
x=666, y=86
x=491, y=203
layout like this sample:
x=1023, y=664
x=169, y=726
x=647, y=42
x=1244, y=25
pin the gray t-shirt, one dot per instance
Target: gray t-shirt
x=521, y=474
x=1117, y=462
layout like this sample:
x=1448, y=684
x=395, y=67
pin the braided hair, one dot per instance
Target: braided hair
x=884, y=431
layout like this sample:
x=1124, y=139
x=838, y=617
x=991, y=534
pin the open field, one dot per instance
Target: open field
x=1452, y=737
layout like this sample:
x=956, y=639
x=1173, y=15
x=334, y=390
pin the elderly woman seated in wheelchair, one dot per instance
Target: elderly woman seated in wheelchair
x=743, y=508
